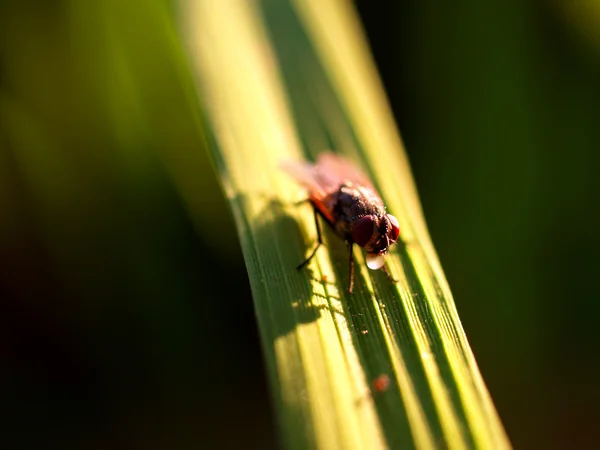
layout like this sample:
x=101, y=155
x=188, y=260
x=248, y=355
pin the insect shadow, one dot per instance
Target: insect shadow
x=282, y=248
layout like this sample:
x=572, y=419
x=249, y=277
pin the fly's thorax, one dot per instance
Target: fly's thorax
x=352, y=202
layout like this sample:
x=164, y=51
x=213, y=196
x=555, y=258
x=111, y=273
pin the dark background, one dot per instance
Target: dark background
x=123, y=325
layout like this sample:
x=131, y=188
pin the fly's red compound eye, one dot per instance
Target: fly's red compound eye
x=363, y=230
x=395, y=231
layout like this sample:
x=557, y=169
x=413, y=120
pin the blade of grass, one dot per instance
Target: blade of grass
x=280, y=79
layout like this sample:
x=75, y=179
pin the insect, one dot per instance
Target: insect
x=345, y=198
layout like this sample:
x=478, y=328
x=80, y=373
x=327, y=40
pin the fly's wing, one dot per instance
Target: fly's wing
x=339, y=170
x=326, y=176
x=305, y=174
x=323, y=179
x=321, y=186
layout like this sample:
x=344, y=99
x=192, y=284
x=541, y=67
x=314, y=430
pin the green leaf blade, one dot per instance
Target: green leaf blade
x=281, y=80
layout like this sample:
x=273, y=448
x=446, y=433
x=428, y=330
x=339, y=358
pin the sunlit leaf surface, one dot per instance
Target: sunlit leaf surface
x=287, y=80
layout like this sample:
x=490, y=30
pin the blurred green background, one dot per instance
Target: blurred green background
x=127, y=321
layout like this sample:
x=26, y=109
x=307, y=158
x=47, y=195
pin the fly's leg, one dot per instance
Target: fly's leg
x=319, y=241
x=351, y=266
x=389, y=275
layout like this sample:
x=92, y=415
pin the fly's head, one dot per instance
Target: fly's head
x=375, y=233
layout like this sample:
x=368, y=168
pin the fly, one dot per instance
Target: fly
x=345, y=198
